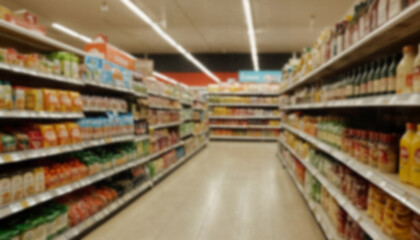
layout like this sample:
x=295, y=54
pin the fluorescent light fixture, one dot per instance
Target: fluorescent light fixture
x=70, y=32
x=166, y=78
x=251, y=33
x=168, y=38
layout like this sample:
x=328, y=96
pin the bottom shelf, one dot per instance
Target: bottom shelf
x=213, y=137
x=120, y=203
x=317, y=210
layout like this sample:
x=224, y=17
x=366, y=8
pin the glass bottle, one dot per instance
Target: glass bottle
x=363, y=81
x=357, y=83
x=392, y=76
x=377, y=78
x=384, y=76
x=350, y=86
x=371, y=78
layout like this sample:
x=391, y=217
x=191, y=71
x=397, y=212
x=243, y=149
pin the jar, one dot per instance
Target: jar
x=364, y=148
x=387, y=154
x=373, y=149
x=356, y=143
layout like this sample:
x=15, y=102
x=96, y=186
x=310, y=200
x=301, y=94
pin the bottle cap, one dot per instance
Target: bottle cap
x=410, y=126
x=409, y=49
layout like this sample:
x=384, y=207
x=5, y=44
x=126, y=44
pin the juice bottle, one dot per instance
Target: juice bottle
x=415, y=165
x=416, y=75
x=406, y=152
x=405, y=70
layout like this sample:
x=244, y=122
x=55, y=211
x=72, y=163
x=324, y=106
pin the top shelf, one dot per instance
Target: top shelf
x=35, y=39
x=243, y=94
x=402, y=26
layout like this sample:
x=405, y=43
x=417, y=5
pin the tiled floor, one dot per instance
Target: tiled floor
x=228, y=191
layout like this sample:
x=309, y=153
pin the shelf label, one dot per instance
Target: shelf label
x=7, y=158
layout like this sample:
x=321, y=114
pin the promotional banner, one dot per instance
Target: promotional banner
x=260, y=76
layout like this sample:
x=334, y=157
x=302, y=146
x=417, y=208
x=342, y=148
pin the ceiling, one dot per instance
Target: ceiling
x=200, y=26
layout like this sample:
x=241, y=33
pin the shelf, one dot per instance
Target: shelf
x=100, y=110
x=35, y=39
x=244, y=117
x=157, y=154
x=213, y=137
x=164, y=125
x=162, y=95
x=177, y=163
x=393, y=31
x=242, y=94
x=75, y=231
x=164, y=108
x=19, y=156
x=390, y=183
x=40, y=115
x=141, y=137
x=245, y=127
x=358, y=215
x=109, y=87
x=138, y=94
x=33, y=73
x=243, y=105
x=394, y=100
x=319, y=213
x=14, y=207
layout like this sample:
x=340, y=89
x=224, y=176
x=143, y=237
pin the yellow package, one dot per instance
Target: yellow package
x=39, y=179
x=51, y=103
x=76, y=100
x=62, y=134
x=33, y=99
x=49, y=138
x=66, y=104
x=74, y=132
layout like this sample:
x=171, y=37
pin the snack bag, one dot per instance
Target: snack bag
x=51, y=103
x=19, y=97
x=8, y=103
x=33, y=99
x=49, y=138
x=62, y=134
x=74, y=132
x=65, y=101
x=77, y=103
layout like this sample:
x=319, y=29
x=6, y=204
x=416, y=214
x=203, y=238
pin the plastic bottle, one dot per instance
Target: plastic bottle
x=415, y=166
x=406, y=152
x=416, y=74
x=405, y=70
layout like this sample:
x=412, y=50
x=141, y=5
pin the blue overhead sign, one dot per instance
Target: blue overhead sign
x=260, y=76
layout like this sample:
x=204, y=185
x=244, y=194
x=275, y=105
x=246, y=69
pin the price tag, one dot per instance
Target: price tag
x=7, y=158
x=24, y=203
x=15, y=207
x=108, y=140
x=44, y=196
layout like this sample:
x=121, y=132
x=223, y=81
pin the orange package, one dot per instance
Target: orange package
x=62, y=134
x=65, y=101
x=51, y=103
x=76, y=101
x=33, y=99
x=74, y=132
x=49, y=138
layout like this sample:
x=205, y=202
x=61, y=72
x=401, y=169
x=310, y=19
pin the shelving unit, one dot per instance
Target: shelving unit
x=122, y=202
x=243, y=105
x=244, y=117
x=243, y=138
x=316, y=209
x=244, y=127
x=401, y=26
x=360, y=216
x=28, y=203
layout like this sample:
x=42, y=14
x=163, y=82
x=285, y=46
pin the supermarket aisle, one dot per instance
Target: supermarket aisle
x=228, y=191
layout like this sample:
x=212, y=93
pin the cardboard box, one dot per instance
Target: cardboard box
x=145, y=66
x=100, y=47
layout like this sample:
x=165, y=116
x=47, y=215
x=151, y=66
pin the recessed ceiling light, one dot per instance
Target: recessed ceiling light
x=142, y=15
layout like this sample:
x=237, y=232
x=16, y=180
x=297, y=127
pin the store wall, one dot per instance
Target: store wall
x=225, y=66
